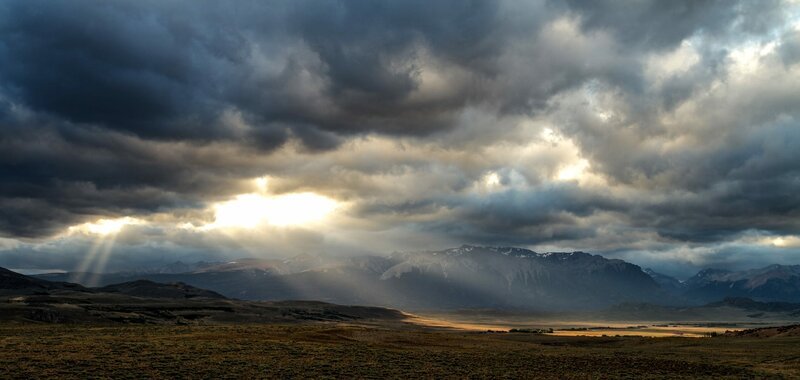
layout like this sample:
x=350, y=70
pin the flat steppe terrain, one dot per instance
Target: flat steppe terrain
x=394, y=350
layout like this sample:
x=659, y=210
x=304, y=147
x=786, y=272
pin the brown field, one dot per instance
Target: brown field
x=329, y=350
x=577, y=327
x=646, y=331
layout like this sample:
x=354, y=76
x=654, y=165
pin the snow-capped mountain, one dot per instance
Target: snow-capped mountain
x=463, y=277
x=770, y=283
x=670, y=284
x=469, y=277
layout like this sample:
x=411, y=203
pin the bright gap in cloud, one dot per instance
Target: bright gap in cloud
x=574, y=171
x=250, y=210
x=788, y=241
x=491, y=180
x=747, y=58
x=104, y=226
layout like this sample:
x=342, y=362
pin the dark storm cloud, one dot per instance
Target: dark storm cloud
x=169, y=71
x=118, y=65
x=653, y=24
x=112, y=109
x=790, y=48
x=56, y=174
x=768, y=205
x=370, y=50
x=736, y=168
x=530, y=217
x=179, y=72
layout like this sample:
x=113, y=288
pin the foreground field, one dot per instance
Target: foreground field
x=347, y=351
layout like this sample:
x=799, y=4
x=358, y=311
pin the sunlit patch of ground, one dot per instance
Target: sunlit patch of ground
x=577, y=327
x=433, y=321
x=646, y=330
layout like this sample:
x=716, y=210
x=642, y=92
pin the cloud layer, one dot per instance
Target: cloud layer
x=666, y=133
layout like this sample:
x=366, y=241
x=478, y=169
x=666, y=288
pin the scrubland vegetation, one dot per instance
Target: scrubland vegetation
x=357, y=351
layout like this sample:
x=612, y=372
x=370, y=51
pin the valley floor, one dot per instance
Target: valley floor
x=375, y=351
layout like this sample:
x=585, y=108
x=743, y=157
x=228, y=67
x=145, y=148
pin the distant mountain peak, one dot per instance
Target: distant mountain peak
x=668, y=283
x=770, y=283
x=507, y=251
x=711, y=272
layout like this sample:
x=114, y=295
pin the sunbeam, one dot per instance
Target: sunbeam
x=102, y=258
x=105, y=232
x=81, y=270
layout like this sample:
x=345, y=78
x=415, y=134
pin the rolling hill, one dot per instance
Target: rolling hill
x=27, y=299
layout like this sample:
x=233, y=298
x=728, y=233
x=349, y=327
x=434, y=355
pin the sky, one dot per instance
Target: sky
x=138, y=133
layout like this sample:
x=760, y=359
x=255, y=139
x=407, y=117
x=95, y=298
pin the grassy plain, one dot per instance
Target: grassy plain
x=573, y=325
x=340, y=350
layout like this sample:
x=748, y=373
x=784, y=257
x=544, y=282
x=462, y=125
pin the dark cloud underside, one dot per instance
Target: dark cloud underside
x=684, y=112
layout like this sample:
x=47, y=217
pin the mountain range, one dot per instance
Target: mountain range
x=24, y=298
x=466, y=277
x=773, y=283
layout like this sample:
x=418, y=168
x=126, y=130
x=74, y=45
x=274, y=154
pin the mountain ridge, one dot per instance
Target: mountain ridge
x=27, y=299
x=462, y=277
x=471, y=276
x=770, y=283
